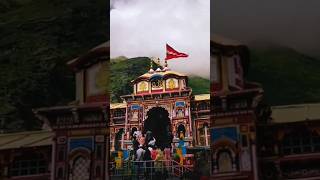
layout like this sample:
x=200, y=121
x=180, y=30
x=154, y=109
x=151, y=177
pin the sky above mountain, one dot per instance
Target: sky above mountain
x=142, y=28
x=290, y=23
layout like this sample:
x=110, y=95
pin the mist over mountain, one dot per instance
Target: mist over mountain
x=143, y=28
x=290, y=23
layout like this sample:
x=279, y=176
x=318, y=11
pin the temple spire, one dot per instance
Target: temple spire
x=151, y=66
x=166, y=68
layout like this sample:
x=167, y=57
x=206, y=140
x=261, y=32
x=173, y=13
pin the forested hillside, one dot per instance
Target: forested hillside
x=37, y=38
x=287, y=76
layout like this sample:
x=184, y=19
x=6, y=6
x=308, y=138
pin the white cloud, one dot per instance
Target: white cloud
x=143, y=27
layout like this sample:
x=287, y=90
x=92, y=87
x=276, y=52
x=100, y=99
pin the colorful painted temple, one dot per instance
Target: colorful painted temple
x=247, y=139
x=162, y=103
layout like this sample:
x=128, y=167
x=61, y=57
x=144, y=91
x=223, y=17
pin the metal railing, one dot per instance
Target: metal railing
x=149, y=170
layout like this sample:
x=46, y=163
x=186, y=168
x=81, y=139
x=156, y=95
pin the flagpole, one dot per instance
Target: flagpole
x=166, y=65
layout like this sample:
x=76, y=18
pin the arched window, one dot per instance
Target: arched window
x=81, y=168
x=224, y=161
x=301, y=141
x=180, y=112
x=181, y=129
x=29, y=164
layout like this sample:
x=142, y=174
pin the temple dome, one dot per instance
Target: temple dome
x=158, y=74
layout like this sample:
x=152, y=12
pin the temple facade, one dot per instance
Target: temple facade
x=80, y=136
x=162, y=103
x=247, y=138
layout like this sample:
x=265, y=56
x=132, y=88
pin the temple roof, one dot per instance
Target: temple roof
x=25, y=139
x=118, y=105
x=148, y=76
x=228, y=46
x=87, y=58
x=202, y=97
x=162, y=73
x=295, y=113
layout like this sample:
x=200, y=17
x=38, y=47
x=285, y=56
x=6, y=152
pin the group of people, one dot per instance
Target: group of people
x=147, y=156
x=144, y=147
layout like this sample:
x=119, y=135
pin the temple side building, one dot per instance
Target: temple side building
x=80, y=136
x=289, y=143
x=233, y=104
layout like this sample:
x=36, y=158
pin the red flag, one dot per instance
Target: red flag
x=172, y=53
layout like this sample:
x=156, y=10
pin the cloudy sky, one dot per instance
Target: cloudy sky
x=291, y=23
x=142, y=28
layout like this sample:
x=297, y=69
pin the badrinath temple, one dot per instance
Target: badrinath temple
x=242, y=137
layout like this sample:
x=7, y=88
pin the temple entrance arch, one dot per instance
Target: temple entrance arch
x=158, y=122
x=181, y=129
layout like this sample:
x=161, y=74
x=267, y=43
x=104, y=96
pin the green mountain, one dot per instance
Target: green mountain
x=287, y=76
x=123, y=71
x=37, y=38
x=199, y=85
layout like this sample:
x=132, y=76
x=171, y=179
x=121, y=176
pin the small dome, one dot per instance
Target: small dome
x=163, y=73
x=166, y=69
x=151, y=71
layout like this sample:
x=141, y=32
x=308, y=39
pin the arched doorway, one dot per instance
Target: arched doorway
x=158, y=122
x=117, y=139
x=134, y=129
x=81, y=168
x=181, y=129
x=224, y=161
x=79, y=164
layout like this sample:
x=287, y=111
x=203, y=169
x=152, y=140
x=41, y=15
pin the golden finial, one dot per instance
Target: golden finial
x=165, y=65
x=151, y=66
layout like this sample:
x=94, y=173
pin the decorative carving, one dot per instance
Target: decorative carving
x=157, y=84
x=135, y=116
x=172, y=83
x=143, y=86
x=62, y=140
